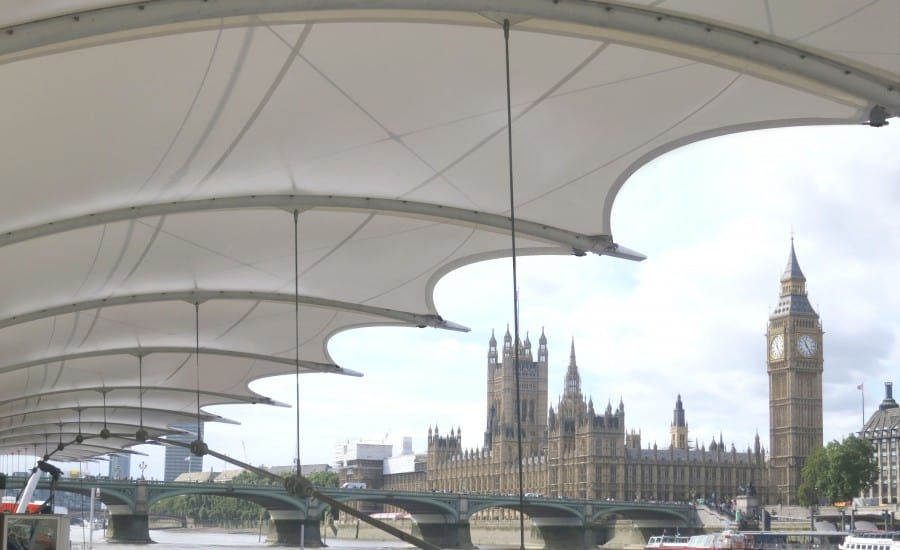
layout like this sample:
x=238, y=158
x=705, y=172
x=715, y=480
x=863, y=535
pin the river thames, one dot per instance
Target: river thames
x=180, y=539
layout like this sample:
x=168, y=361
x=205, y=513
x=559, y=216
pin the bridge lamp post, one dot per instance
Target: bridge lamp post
x=812, y=509
x=142, y=466
x=812, y=517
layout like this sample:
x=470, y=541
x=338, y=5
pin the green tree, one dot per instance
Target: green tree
x=853, y=468
x=212, y=509
x=838, y=471
x=812, y=477
x=227, y=511
x=253, y=478
x=324, y=479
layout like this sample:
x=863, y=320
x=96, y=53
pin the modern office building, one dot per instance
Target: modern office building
x=180, y=460
x=119, y=466
x=362, y=461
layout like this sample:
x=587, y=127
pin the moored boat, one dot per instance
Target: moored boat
x=726, y=540
x=871, y=540
x=666, y=542
x=793, y=540
x=760, y=540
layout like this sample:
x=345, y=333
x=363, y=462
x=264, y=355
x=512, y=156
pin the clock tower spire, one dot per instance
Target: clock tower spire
x=794, y=364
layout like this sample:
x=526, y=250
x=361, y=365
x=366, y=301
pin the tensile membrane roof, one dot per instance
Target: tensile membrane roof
x=155, y=155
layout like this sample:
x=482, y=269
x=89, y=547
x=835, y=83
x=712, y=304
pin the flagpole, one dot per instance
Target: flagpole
x=862, y=393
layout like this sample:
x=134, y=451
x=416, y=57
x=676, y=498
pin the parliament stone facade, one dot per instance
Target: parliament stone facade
x=572, y=450
x=576, y=451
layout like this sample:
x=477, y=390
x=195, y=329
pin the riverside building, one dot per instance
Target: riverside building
x=883, y=431
x=578, y=451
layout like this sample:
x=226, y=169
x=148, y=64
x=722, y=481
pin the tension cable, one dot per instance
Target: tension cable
x=515, y=284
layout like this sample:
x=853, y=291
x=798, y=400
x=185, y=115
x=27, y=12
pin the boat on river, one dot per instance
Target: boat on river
x=872, y=540
x=726, y=540
x=757, y=540
x=666, y=542
x=793, y=540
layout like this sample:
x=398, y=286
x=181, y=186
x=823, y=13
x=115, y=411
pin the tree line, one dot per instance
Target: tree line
x=221, y=511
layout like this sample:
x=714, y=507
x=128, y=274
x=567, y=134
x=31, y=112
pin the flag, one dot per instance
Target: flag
x=859, y=386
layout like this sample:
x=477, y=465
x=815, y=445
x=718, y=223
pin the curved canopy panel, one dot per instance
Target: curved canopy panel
x=156, y=156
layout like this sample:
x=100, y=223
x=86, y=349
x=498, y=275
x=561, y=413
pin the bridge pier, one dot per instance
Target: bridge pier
x=127, y=526
x=286, y=528
x=562, y=532
x=443, y=534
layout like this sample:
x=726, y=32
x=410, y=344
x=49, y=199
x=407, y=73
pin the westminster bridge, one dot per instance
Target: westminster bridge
x=439, y=518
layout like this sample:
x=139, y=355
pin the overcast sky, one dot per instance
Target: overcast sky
x=715, y=221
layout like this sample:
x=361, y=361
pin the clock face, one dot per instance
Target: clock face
x=776, y=349
x=806, y=345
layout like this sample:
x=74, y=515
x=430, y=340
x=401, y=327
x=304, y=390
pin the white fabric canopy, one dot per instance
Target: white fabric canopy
x=154, y=153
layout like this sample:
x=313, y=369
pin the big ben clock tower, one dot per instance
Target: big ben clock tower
x=794, y=351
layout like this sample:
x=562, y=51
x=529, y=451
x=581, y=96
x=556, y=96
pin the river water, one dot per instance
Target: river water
x=180, y=539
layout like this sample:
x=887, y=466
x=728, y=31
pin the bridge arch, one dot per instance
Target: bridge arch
x=268, y=499
x=560, y=523
x=413, y=504
x=531, y=509
x=635, y=512
x=439, y=518
x=107, y=495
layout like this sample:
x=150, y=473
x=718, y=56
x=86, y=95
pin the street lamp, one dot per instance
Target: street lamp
x=142, y=466
x=812, y=510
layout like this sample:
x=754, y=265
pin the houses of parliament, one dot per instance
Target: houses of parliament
x=571, y=449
